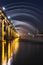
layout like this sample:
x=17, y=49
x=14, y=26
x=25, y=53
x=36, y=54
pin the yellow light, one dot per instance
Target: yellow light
x=5, y=61
x=14, y=45
x=9, y=50
x=2, y=52
x=17, y=35
x=3, y=57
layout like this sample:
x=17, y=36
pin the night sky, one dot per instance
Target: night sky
x=39, y=3
x=33, y=13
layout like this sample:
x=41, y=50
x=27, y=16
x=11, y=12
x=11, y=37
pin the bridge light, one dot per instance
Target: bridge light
x=3, y=8
x=8, y=17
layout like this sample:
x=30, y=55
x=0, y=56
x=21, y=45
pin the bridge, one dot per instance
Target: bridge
x=9, y=38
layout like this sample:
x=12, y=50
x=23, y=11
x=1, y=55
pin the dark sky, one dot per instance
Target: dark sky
x=37, y=2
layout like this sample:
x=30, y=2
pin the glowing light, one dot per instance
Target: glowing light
x=5, y=61
x=28, y=33
x=2, y=52
x=17, y=35
x=9, y=51
x=3, y=8
x=9, y=61
x=14, y=49
x=16, y=45
x=8, y=17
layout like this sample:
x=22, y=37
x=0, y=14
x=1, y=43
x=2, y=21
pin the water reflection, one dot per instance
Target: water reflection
x=28, y=53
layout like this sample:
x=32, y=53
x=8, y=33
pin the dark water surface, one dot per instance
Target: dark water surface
x=29, y=53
